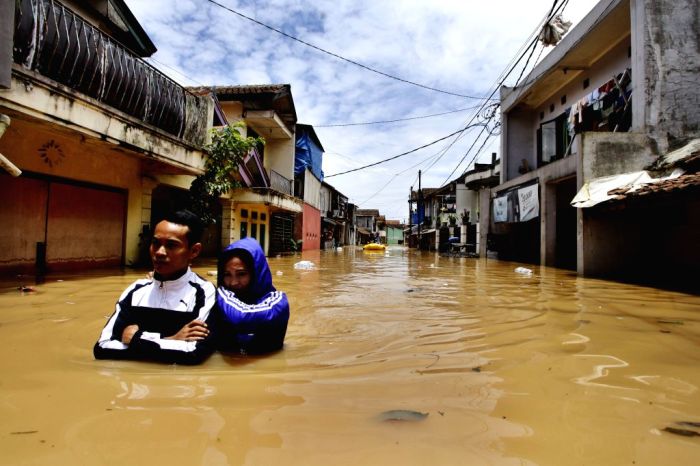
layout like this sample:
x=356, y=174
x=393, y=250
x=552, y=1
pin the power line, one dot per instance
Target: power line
x=401, y=154
x=397, y=120
x=315, y=47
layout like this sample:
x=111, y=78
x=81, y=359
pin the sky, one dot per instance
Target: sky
x=455, y=46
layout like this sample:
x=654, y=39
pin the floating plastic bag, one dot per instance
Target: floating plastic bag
x=304, y=265
x=523, y=271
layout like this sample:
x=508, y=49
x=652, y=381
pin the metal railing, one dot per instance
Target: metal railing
x=280, y=183
x=57, y=43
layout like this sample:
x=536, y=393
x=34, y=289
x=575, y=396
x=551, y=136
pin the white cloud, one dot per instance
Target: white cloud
x=454, y=45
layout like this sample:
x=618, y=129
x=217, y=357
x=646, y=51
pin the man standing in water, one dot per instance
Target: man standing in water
x=164, y=318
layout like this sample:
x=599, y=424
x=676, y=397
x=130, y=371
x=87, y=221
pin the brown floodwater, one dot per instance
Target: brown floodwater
x=546, y=368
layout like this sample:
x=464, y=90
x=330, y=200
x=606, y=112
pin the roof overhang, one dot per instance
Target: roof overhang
x=269, y=197
x=267, y=124
x=602, y=29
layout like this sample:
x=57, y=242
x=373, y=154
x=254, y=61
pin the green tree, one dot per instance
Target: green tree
x=226, y=151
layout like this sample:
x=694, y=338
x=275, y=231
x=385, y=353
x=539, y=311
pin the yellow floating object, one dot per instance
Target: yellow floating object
x=374, y=247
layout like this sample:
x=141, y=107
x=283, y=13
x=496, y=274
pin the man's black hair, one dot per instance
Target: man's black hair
x=195, y=226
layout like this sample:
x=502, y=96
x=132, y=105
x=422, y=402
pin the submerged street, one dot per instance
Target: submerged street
x=510, y=368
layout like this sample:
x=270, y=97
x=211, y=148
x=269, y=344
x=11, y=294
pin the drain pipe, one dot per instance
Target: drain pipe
x=5, y=163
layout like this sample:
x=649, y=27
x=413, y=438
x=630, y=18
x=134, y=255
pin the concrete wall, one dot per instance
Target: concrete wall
x=665, y=38
x=604, y=154
x=517, y=142
x=279, y=156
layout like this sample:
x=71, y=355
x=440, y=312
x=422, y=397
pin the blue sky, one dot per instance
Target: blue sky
x=456, y=46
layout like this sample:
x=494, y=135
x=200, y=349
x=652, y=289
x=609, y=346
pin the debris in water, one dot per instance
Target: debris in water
x=402, y=415
x=689, y=424
x=26, y=289
x=23, y=432
x=279, y=272
x=674, y=322
x=683, y=432
x=212, y=273
x=304, y=265
x=476, y=369
x=523, y=271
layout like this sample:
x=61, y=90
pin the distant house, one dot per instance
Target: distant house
x=613, y=98
x=394, y=232
x=366, y=224
x=95, y=130
x=333, y=217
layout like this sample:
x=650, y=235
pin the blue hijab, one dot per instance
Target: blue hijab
x=252, y=255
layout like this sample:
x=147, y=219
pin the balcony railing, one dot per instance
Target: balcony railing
x=57, y=43
x=280, y=183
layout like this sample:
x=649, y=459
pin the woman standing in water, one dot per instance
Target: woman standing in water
x=253, y=314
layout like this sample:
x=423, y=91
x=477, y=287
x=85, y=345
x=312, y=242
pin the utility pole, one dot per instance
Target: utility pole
x=420, y=210
x=410, y=220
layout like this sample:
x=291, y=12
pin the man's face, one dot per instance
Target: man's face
x=171, y=252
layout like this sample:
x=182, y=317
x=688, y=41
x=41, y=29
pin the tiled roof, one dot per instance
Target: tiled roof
x=683, y=182
x=367, y=212
x=244, y=89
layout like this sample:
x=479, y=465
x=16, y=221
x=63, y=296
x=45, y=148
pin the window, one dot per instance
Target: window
x=244, y=230
x=553, y=140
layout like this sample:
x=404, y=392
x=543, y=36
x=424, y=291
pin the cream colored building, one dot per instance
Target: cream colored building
x=94, y=130
x=264, y=207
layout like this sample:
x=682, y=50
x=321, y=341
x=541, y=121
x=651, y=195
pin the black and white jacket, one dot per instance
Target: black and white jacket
x=160, y=309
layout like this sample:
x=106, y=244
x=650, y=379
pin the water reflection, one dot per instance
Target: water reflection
x=511, y=369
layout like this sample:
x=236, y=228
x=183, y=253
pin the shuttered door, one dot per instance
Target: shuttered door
x=85, y=227
x=82, y=225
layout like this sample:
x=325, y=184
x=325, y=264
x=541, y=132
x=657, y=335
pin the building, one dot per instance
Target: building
x=473, y=204
x=264, y=207
x=333, y=217
x=610, y=99
x=308, y=176
x=95, y=131
x=394, y=232
x=366, y=224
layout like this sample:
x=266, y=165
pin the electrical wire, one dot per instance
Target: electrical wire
x=340, y=57
x=399, y=155
x=396, y=120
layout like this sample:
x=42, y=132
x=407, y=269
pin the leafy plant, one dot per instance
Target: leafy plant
x=225, y=152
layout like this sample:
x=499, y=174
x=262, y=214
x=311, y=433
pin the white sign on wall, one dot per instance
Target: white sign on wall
x=500, y=209
x=528, y=201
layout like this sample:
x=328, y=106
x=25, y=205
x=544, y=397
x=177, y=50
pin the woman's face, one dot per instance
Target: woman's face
x=236, y=275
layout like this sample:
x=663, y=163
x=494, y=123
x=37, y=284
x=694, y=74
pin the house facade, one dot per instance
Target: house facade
x=366, y=225
x=610, y=99
x=333, y=217
x=264, y=206
x=308, y=176
x=94, y=130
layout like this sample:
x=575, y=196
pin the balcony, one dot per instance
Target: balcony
x=280, y=183
x=55, y=42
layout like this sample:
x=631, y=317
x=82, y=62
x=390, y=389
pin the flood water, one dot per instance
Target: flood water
x=545, y=369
